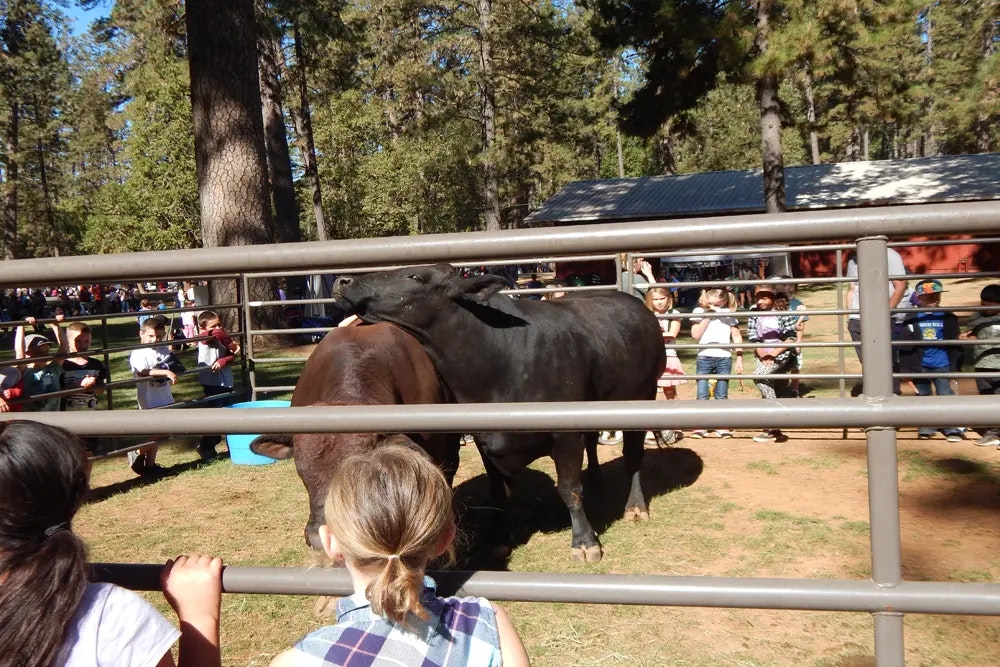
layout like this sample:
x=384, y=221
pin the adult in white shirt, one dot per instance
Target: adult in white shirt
x=897, y=291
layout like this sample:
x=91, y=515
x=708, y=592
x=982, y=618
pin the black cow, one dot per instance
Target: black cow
x=376, y=365
x=490, y=348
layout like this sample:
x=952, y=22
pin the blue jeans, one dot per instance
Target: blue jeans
x=713, y=366
x=942, y=387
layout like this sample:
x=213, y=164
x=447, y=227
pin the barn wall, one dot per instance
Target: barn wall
x=962, y=258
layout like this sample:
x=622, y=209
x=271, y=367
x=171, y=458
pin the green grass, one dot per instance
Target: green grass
x=829, y=461
x=765, y=467
x=254, y=516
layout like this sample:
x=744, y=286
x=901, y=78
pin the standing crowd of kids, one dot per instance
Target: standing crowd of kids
x=773, y=328
x=63, y=365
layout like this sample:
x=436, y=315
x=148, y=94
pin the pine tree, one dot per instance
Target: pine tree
x=34, y=81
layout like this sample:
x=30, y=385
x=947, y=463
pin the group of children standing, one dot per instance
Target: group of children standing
x=776, y=327
x=70, y=367
x=715, y=326
x=159, y=363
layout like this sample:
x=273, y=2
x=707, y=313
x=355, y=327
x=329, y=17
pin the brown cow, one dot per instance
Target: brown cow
x=366, y=365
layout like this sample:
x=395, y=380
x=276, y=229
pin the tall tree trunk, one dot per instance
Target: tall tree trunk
x=50, y=217
x=302, y=118
x=853, y=144
x=279, y=161
x=770, y=120
x=982, y=123
x=229, y=134
x=928, y=142
x=10, y=184
x=491, y=175
x=621, y=157
x=809, y=92
x=665, y=150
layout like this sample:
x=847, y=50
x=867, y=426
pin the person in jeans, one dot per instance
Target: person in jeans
x=929, y=361
x=897, y=298
x=723, y=329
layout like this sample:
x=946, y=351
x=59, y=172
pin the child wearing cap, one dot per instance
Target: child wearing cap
x=985, y=326
x=928, y=361
x=40, y=377
x=776, y=355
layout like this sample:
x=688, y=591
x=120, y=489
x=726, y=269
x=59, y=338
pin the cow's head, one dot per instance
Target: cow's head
x=413, y=296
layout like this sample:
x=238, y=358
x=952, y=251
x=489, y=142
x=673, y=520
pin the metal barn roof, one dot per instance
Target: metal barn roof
x=842, y=184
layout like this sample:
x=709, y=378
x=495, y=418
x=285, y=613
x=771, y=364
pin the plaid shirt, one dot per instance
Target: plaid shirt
x=785, y=332
x=458, y=632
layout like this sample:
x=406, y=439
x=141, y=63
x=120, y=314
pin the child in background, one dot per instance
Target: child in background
x=214, y=373
x=50, y=613
x=395, y=612
x=150, y=362
x=930, y=360
x=660, y=301
x=40, y=377
x=776, y=332
x=11, y=388
x=144, y=306
x=715, y=360
x=985, y=325
x=86, y=373
x=794, y=304
x=189, y=320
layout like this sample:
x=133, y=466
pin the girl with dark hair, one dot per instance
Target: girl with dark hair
x=50, y=613
x=388, y=514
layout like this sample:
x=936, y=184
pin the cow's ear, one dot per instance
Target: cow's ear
x=480, y=288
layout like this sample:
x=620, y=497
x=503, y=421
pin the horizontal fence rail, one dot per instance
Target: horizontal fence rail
x=802, y=226
x=528, y=417
x=764, y=593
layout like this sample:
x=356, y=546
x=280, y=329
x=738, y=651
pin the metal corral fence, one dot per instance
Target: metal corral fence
x=878, y=411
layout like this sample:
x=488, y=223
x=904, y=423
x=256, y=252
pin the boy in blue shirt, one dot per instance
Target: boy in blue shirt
x=928, y=361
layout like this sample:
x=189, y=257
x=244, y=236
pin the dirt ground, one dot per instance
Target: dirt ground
x=950, y=528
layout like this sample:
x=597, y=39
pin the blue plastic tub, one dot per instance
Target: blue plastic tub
x=239, y=443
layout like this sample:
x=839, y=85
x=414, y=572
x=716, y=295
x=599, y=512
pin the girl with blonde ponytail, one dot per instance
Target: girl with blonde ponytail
x=389, y=514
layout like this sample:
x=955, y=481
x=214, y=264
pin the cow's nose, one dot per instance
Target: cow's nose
x=341, y=281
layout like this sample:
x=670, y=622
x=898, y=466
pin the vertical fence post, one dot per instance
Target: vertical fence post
x=883, y=483
x=841, y=364
x=246, y=364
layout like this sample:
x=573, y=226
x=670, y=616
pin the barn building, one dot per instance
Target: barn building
x=821, y=186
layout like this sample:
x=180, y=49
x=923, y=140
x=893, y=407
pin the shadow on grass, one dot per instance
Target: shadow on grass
x=102, y=493
x=535, y=505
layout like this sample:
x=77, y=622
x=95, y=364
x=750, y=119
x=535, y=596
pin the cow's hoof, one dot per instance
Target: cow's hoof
x=325, y=606
x=591, y=554
x=636, y=514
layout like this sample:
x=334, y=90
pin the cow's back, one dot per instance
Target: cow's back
x=378, y=364
x=625, y=342
x=604, y=346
